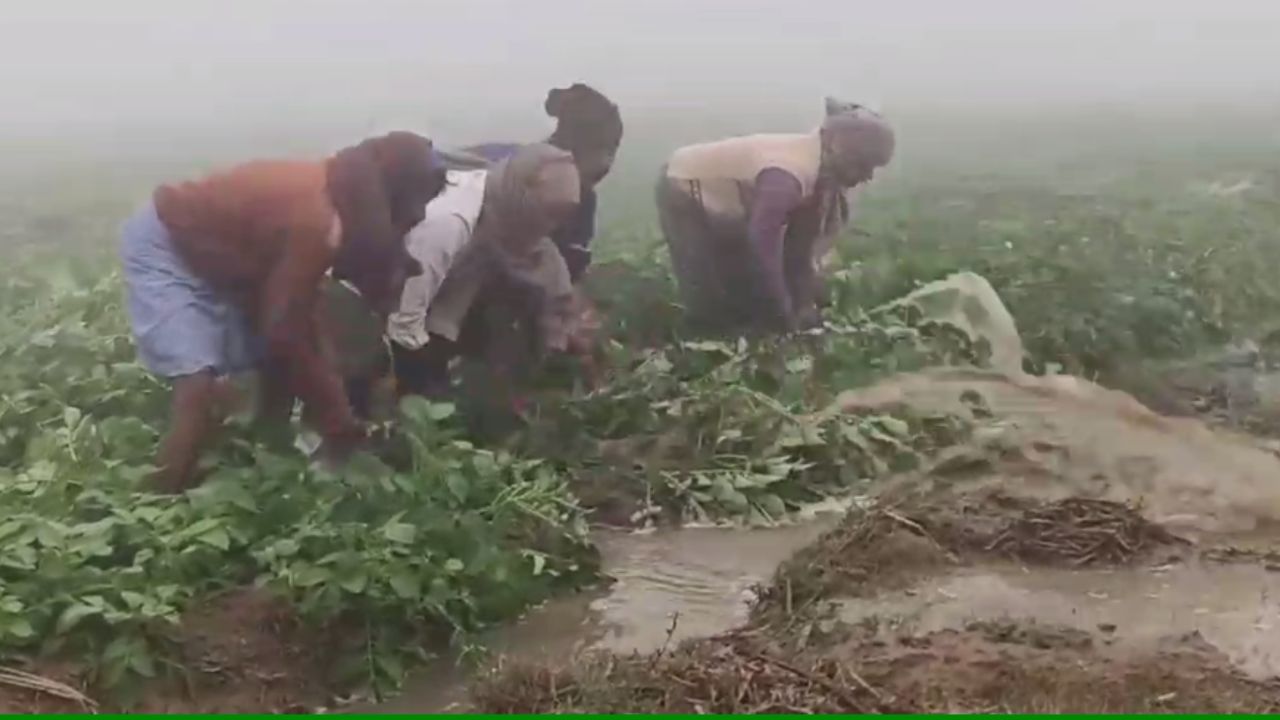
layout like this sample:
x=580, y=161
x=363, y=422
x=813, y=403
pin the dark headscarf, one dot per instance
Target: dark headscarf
x=380, y=189
x=588, y=125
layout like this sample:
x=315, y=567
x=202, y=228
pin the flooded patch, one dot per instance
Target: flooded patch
x=921, y=607
x=698, y=581
x=669, y=585
x=1235, y=608
x=1029, y=554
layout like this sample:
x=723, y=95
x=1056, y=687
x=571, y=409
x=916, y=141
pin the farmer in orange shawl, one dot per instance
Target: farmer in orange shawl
x=223, y=276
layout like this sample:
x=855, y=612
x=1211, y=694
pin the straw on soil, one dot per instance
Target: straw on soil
x=15, y=678
x=892, y=543
x=726, y=674
x=978, y=669
x=787, y=659
x=1080, y=531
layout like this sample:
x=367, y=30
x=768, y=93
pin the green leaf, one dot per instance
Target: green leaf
x=709, y=346
x=422, y=412
x=441, y=411
x=20, y=628
x=484, y=463
x=51, y=534
x=114, y=672
x=42, y=471
x=225, y=490
x=801, y=435
x=458, y=485
x=93, y=546
x=737, y=502
x=287, y=547
x=390, y=665
x=118, y=649
x=722, y=488
x=72, y=616
x=10, y=527
x=354, y=580
x=454, y=565
x=399, y=532
x=772, y=505
x=406, y=584
x=20, y=557
x=365, y=470
x=895, y=426
x=201, y=527
x=854, y=435
x=305, y=575
x=141, y=662
x=755, y=518
x=440, y=590
x=216, y=538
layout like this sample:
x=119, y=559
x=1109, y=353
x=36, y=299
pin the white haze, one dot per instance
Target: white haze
x=132, y=72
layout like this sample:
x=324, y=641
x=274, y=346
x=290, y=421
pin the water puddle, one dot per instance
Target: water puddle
x=1233, y=607
x=1047, y=438
x=670, y=585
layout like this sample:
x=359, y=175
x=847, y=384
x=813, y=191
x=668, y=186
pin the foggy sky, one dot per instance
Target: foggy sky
x=460, y=68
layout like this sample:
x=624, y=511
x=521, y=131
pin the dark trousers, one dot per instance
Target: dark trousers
x=424, y=371
x=498, y=334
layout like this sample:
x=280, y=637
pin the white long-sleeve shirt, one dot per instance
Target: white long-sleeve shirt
x=435, y=243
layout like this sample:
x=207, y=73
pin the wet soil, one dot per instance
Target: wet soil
x=244, y=652
x=962, y=603
x=667, y=586
x=966, y=670
x=1079, y=553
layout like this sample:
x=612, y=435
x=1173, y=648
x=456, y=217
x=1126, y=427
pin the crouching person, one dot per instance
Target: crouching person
x=223, y=276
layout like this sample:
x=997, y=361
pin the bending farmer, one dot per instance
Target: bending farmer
x=223, y=276
x=748, y=220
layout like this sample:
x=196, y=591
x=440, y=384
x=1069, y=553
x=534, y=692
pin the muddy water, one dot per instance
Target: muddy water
x=1233, y=607
x=1045, y=437
x=669, y=585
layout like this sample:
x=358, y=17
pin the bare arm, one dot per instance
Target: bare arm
x=292, y=331
x=802, y=279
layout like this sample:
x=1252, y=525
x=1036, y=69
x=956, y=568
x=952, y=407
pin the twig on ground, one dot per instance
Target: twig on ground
x=671, y=631
x=840, y=692
x=916, y=527
x=18, y=678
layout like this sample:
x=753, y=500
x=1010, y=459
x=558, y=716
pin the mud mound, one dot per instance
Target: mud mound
x=725, y=675
x=1080, y=532
x=1007, y=669
x=250, y=659
x=960, y=603
x=893, y=542
x=251, y=656
x=1056, y=437
x=971, y=670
